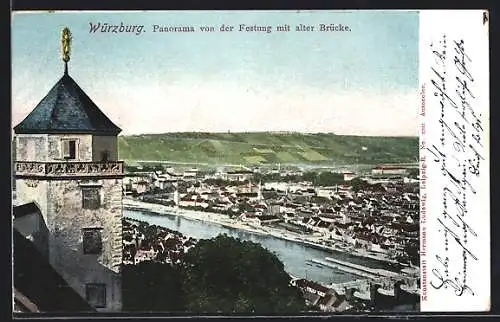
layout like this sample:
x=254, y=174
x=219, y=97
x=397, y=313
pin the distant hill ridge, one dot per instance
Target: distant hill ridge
x=268, y=147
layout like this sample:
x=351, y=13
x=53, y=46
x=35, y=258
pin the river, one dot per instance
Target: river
x=294, y=256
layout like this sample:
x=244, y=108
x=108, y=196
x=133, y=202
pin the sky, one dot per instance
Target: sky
x=362, y=82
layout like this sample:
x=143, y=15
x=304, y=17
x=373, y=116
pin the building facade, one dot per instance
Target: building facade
x=67, y=164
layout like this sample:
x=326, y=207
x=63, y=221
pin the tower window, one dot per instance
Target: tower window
x=91, y=198
x=69, y=149
x=92, y=241
x=96, y=294
x=105, y=155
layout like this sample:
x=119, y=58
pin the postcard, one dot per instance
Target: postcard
x=250, y=162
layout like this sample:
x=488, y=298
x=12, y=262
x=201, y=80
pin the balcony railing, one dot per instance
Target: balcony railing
x=56, y=169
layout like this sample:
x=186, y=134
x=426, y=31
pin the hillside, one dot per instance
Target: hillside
x=268, y=147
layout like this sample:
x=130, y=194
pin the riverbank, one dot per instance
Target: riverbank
x=225, y=221
x=214, y=218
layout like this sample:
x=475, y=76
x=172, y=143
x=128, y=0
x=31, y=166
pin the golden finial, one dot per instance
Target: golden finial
x=66, y=47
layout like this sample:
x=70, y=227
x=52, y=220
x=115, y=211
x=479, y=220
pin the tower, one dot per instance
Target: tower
x=67, y=163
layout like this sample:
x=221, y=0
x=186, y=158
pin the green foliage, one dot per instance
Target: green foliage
x=323, y=178
x=358, y=184
x=153, y=287
x=267, y=148
x=413, y=172
x=411, y=187
x=411, y=249
x=310, y=176
x=224, y=183
x=229, y=275
x=327, y=178
x=220, y=275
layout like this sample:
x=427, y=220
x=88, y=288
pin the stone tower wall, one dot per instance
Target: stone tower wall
x=60, y=199
x=67, y=220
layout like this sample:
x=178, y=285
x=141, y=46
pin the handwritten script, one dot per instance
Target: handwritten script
x=456, y=154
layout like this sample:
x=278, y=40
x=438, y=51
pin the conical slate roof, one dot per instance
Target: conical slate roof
x=67, y=109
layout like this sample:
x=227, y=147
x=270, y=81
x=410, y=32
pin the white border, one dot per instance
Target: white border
x=438, y=206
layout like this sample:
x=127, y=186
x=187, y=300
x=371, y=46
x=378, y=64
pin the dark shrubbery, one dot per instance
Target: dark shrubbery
x=220, y=275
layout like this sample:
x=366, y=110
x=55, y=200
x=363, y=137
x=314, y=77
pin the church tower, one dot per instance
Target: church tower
x=67, y=163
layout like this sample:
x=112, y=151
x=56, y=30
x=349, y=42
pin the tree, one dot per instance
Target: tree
x=413, y=172
x=411, y=249
x=226, y=275
x=323, y=178
x=310, y=176
x=358, y=184
x=151, y=286
x=411, y=187
x=220, y=275
x=327, y=178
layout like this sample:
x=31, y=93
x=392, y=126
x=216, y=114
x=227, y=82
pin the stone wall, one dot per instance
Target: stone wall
x=83, y=146
x=67, y=218
x=104, y=143
x=47, y=147
x=31, y=147
x=33, y=190
x=60, y=202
